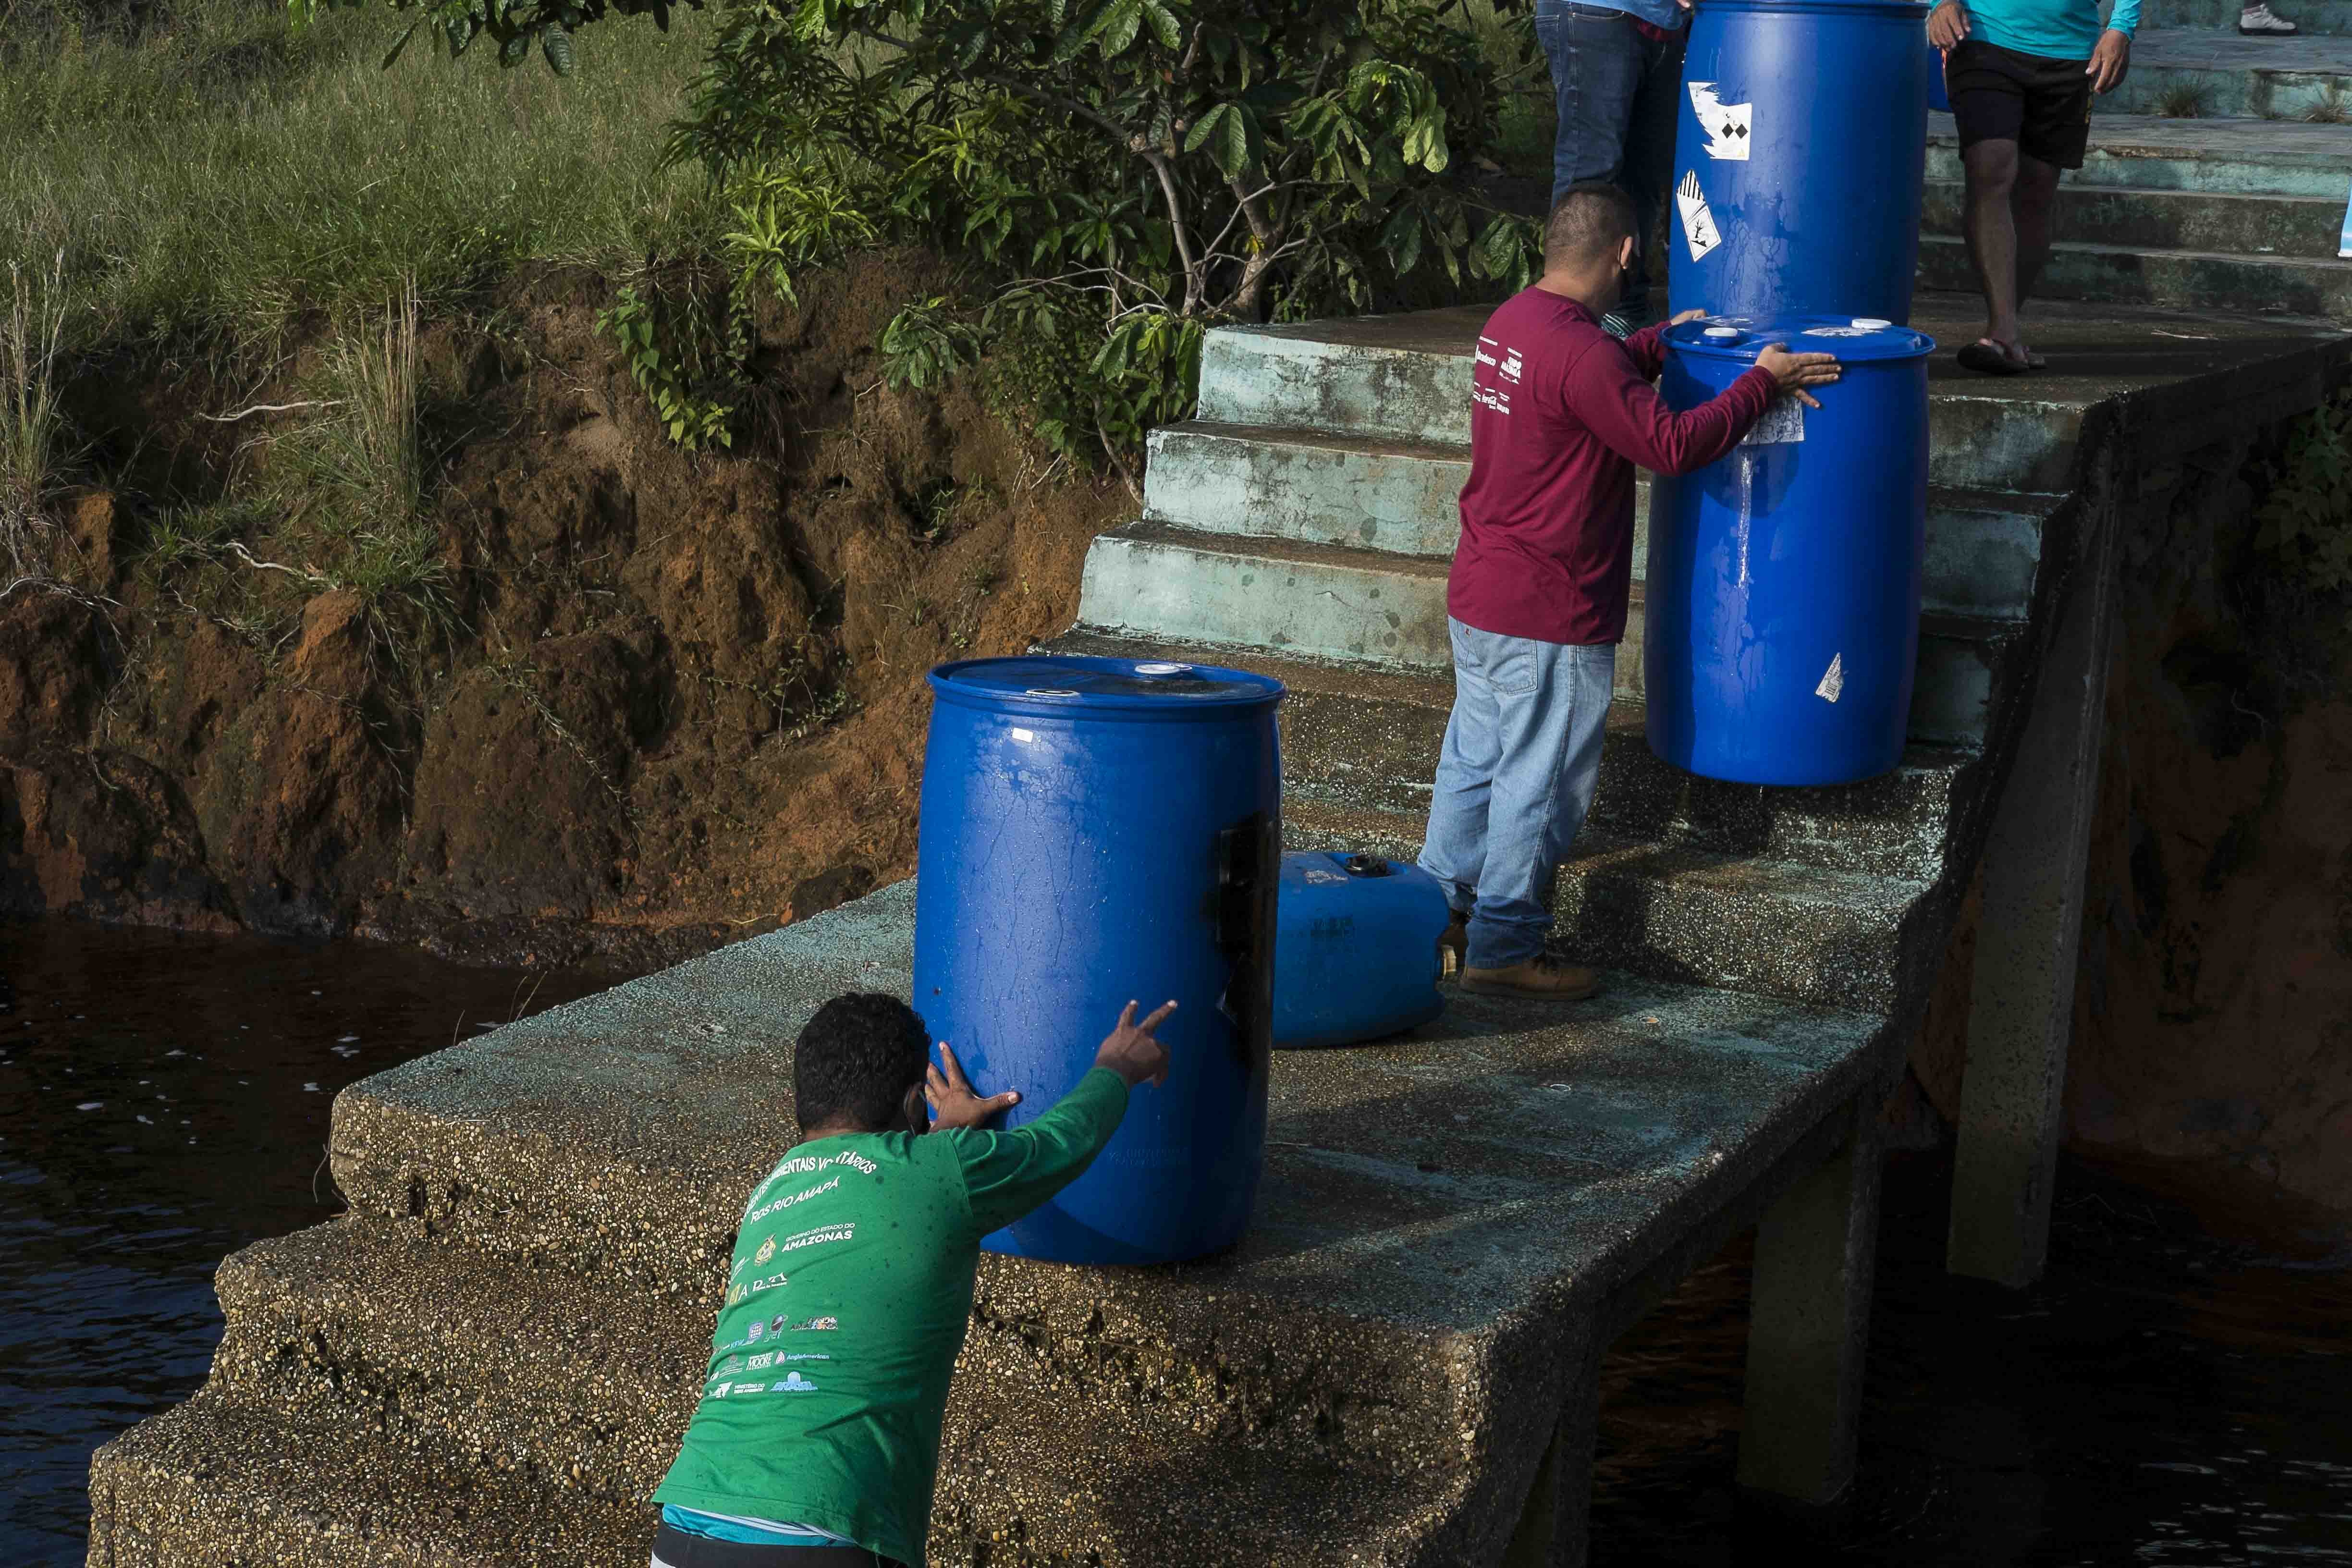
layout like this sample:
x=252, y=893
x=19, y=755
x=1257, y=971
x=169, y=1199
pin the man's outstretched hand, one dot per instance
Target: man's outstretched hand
x=1132, y=1051
x=1791, y=373
x=953, y=1104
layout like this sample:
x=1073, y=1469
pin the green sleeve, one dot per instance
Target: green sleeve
x=1007, y=1175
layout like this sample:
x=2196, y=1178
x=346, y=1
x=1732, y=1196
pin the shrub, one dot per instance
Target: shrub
x=2307, y=517
x=1115, y=174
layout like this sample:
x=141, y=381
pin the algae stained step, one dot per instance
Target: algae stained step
x=1357, y=739
x=1366, y=494
x=1245, y=593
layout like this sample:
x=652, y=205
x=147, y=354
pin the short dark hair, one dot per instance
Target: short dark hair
x=1589, y=222
x=855, y=1061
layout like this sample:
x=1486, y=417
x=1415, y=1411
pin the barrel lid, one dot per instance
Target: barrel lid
x=1856, y=338
x=1053, y=681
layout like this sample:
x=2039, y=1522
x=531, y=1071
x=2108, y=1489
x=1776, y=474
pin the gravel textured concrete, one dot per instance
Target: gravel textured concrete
x=523, y=1291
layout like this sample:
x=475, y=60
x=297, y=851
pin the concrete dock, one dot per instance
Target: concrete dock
x=489, y=1358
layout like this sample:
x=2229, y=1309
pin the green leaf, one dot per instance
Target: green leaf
x=1402, y=240
x=513, y=49
x=394, y=52
x=1163, y=24
x=1122, y=19
x=556, y=44
x=1228, y=132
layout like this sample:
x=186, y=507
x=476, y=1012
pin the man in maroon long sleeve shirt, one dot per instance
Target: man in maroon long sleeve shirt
x=1561, y=414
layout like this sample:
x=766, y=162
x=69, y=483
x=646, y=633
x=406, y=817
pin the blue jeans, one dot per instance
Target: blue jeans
x=1522, y=754
x=1619, y=94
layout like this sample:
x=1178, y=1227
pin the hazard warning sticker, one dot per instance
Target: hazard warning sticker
x=1698, y=223
x=1730, y=127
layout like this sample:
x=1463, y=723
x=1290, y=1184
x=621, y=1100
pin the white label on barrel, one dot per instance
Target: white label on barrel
x=1728, y=126
x=1024, y=736
x=1833, y=681
x=1837, y=332
x=1698, y=223
x=1784, y=420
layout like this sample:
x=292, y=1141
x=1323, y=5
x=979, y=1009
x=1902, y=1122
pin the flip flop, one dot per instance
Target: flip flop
x=1987, y=360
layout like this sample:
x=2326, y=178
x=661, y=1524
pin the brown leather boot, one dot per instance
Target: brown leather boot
x=1541, y=978
x=1453, y=948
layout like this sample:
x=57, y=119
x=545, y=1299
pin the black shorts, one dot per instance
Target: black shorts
x=2001, y=94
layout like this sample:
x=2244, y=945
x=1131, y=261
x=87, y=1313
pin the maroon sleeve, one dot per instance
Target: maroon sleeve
x=1606, y=392
x=1647, y=348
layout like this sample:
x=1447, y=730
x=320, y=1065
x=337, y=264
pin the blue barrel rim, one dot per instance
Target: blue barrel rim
x=1905, y=9
x=1061, y=689
x=1880, y=343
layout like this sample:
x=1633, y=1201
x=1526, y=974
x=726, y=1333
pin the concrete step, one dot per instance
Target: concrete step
x=2181, y=280
x=2210, y=74
x=1368, y=1378
x=2230, y=157
x=1407, y=379
x=1680, y=913
x=222, y=1483
x=2286, y=228
x=371, y=1320
x=1252, y=596
x=1357, y=739
x=1398, y=497
x=370, y=1323
x=2317, y=18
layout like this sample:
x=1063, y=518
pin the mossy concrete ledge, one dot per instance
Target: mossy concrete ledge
x=491, y=1357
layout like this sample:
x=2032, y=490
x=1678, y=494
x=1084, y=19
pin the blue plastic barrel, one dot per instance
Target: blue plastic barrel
x=1799, y=157
x=1782, y=602
x=1093, y=831
x=1356, y=957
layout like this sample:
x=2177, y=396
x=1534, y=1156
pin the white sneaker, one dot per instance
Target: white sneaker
x=2261, y=21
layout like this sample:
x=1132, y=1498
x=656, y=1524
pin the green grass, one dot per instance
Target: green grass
x=32, y=427
x=222, y=174
x=2183, y=101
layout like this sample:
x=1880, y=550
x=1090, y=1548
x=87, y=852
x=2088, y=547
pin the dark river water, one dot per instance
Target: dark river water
x=2178, y=1392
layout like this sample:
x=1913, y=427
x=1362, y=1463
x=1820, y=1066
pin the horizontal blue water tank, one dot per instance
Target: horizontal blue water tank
x=1096, y=831
x=1782, y=600
x=1799, y=157
x=1354, y=955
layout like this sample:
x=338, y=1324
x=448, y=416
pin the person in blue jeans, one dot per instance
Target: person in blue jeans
x=1540, y=587
x=1617, y=79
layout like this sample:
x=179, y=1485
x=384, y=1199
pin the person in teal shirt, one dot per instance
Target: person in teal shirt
x=2020, y=75
x=817, y=1436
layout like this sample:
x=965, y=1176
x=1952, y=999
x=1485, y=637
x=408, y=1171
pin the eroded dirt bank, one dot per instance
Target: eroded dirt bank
x=679, y=699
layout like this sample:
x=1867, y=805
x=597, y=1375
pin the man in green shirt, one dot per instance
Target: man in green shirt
x=818, y=1432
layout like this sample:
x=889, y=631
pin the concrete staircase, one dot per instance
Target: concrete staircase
x=1302, y=524
x=2209, y=185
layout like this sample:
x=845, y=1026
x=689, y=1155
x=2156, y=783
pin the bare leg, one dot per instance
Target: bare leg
x=2033, y=200
x=1991, y=228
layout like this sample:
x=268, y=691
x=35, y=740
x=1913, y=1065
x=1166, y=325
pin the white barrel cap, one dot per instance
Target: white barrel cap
x=1723, y=334
x=1871, y=324
x=1161, y=668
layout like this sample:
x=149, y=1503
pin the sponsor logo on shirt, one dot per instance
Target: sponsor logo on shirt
x=1510, y=367
x=1480, y=353
x=773, y=1282
x=760, y=1363
x=820, y=1236
x=767, y=1250
x=1491, y=397
x=719, y=1392
x=751, y=1335
x=757, y=1215
x=816, y=1323
x=808, y=1355
x=795, y=1383
x=730, y=1366
x=777, y=1327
